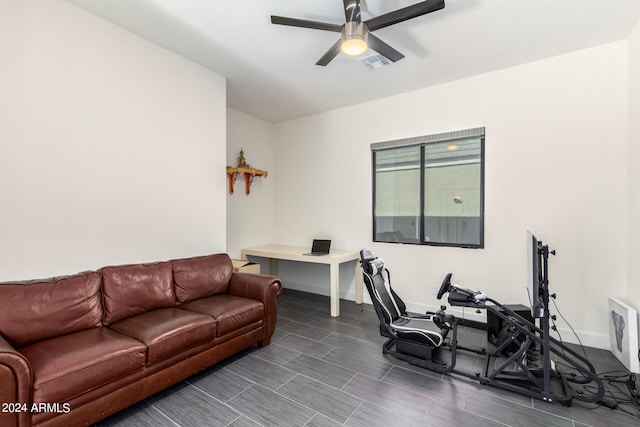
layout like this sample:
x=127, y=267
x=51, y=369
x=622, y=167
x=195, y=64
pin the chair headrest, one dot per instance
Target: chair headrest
x=366, y=256
x=370, y=264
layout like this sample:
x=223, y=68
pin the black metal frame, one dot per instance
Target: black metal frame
x=421, y=219
x=516, y=373
x=543, y=382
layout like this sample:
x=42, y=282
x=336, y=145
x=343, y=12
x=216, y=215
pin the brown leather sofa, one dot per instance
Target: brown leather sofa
x=76, y=349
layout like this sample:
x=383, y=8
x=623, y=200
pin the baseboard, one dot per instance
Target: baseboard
x=473, y=324
x=466, y=316
x=349, y=295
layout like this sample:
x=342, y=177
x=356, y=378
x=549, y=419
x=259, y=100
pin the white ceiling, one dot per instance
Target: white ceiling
x=271, y=72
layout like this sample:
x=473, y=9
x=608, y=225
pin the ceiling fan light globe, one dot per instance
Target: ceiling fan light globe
x=353, y=47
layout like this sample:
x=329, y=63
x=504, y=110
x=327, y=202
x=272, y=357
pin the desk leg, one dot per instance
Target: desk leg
x=273, y=266
x=359, y=284
x=335, y=289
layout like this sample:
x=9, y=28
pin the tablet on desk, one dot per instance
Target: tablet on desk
x=320, y=247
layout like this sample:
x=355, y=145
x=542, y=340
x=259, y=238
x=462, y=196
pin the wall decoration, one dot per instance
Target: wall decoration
x=623, y=329
x=245, y=169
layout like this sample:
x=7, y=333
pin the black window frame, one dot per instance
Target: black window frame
x=422, y=142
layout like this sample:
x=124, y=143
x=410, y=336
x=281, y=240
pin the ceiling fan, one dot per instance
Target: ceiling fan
x=356, y=35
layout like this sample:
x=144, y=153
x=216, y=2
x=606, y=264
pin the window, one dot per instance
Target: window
x=430, y=190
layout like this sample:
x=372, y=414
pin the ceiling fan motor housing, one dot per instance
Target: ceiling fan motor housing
x=354, y=38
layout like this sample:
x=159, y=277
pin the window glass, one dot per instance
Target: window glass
x=397, y=194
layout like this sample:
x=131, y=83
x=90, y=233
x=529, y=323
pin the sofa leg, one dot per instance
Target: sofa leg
x=264, y=342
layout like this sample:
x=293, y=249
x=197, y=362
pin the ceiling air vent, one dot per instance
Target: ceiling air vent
x=374, y=62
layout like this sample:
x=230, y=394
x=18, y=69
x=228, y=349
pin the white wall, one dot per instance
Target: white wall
x=633, y=290
x=556, y=144
x=633, y=162
x=250, y=218
x=112, y=149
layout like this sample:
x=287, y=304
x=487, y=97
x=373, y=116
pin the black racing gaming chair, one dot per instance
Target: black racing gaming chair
x=416, y=339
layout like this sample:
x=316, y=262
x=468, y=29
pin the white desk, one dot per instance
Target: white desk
x=333, y=259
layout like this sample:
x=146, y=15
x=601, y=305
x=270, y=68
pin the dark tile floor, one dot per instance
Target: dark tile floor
x=324, y=371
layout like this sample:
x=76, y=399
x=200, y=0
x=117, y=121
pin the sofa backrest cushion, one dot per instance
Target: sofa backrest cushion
x=200, y=277
x=133, y=289
x=39, y=309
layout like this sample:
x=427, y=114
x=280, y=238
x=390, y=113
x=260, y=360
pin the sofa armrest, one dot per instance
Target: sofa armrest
x=15, y=386
x=262, y=288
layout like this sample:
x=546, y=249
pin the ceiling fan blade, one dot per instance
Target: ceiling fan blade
x=384, y=49
x=315, y=25
x=352, y=10
x=404, y=14
x=331, y=53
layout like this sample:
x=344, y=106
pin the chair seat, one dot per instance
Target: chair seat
x=421, y=330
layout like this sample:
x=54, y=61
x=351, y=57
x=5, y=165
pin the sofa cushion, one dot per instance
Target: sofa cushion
x=168, y=331
x=231, y=312
x=42, y=309
x=69, y=365
x=200, y=277
x=132, y=289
